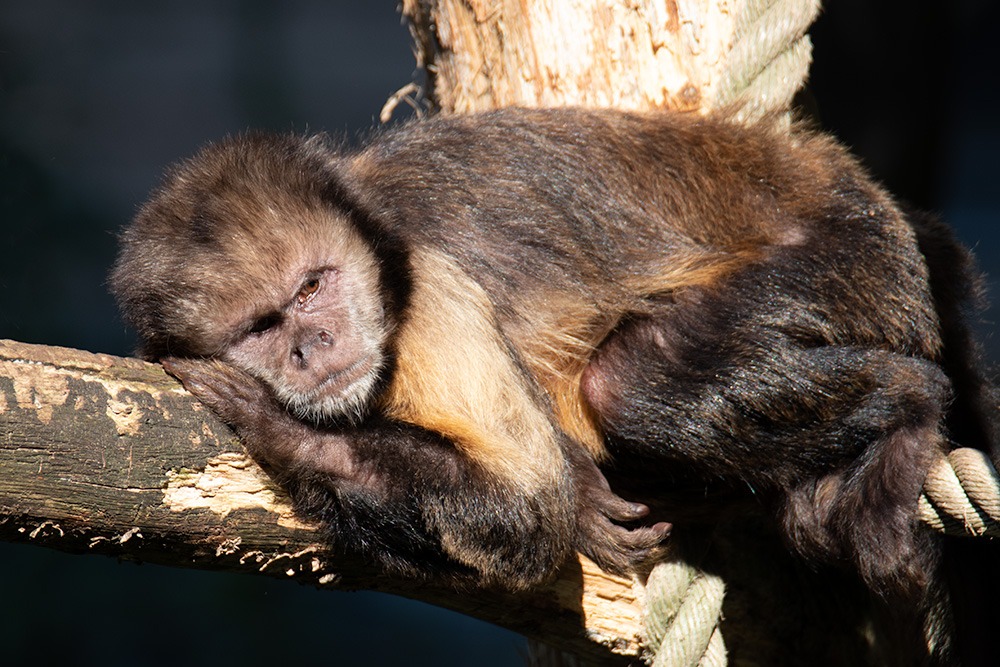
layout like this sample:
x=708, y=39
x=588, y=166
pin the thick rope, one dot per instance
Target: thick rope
x=683, y=610
x=768, y=62
x=683, y=605
x=962, y=495
x=770, y=56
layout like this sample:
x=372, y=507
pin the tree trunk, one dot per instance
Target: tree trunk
x=748, y=57
x=689, y=55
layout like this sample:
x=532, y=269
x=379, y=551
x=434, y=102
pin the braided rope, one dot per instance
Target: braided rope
x=683, y=605
x=962, y=495
x=683, y=610
x=770, y=56
x=768, y=62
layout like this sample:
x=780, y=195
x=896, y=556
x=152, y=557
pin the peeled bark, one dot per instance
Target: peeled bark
x=107, y=455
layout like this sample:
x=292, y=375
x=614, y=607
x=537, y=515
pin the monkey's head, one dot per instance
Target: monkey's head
x=246, y=253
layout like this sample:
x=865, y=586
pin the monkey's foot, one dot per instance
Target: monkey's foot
x=615, y=547
x=601, y=518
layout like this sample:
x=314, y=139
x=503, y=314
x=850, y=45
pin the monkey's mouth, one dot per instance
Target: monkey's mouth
x=349, y=382
x=342, y=395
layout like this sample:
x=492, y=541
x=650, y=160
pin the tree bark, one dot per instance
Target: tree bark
x=689, y=55
x=107, y=455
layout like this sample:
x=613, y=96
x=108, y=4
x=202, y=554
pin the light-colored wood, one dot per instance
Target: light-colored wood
x=692, y=55
x=100, y=454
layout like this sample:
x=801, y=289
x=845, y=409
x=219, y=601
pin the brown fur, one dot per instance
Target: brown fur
x=528, y=291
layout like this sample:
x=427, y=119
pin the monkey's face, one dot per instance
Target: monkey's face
x=318, y=342
x=240, y=256
x=293, y=297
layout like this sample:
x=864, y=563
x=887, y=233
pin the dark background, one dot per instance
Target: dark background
x=95, y=98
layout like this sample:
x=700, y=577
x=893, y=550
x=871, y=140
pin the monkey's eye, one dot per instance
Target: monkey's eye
x=309, y=287
x=262, y=324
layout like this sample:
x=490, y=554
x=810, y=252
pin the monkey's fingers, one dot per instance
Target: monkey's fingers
x=236, y=397
x=274, y=438
x=619, y=550
x=618, y=509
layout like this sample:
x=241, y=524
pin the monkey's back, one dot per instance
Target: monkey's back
x=574, y=209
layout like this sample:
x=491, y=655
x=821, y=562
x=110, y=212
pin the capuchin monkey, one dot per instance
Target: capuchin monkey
x=433, y=340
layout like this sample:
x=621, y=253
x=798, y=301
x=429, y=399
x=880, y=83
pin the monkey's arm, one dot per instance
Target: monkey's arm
x=408, y=499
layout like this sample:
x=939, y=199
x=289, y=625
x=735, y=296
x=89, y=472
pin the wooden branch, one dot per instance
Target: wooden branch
x=107, y=455
x=691, y=55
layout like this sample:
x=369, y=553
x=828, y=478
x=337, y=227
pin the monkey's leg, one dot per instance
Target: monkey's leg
x=408, y=498
x=839, y=437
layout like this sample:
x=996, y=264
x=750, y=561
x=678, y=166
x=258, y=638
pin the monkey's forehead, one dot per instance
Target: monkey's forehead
x=258, y=269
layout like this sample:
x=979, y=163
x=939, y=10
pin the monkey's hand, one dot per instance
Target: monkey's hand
x=273, y=437
x=235, y=396
x=614, y=547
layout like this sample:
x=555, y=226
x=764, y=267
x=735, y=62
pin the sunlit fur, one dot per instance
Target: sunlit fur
x=683, y=297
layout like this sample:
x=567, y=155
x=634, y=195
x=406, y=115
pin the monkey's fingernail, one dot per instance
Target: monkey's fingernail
x=173, y=366
x=663, y=528
x=194, y=387
x=637, y=510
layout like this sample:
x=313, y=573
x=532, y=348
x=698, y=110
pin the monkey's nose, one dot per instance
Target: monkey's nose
x=302, y=352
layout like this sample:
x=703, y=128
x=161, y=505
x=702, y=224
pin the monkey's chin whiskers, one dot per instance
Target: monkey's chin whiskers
x=341, y=397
